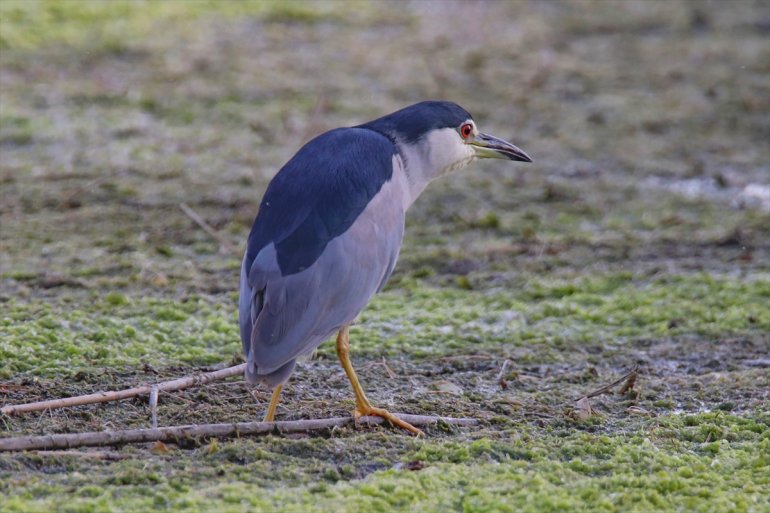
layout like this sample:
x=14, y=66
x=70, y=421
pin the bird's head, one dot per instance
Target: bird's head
x=443, y=137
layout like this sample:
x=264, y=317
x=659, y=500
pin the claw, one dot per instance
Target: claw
x=385, y=414
x=363, y=406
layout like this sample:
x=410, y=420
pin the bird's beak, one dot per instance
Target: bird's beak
x=490, y=147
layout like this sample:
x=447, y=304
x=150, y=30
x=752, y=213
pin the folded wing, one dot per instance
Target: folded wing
x=325, y=241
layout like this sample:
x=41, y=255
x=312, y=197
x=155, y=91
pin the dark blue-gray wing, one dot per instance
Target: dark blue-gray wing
x=334, y=245
x=318, y=195
x=283, y=317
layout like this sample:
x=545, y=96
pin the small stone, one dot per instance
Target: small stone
x=447, y=387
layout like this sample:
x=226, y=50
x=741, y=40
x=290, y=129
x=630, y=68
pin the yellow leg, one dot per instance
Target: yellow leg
x=363, y=406
x=270, y=414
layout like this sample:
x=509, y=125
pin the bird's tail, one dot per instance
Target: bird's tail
x=271, y=379
x=251, y=374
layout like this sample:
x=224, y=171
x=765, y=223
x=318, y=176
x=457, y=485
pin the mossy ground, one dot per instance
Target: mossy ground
x=630, y=242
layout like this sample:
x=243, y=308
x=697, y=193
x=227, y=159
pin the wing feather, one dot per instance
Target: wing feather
x=302, y=310
x=304, y=283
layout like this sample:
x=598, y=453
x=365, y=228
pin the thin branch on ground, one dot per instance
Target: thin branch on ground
x=630, y=377
x=154, y=405
x=176, y=433
x=192, y=214
x=382, y=363
x=391, y=374
x=630, y=382
x=501, y=375
x=13, y=388
x=117, y=395
x=467, y=357
x=255, y=393
x=66, y=202
x=88, y=454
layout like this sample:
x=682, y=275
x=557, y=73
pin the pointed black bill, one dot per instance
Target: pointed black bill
x=490, y=147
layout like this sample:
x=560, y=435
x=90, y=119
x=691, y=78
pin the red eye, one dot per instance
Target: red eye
x=466, y=130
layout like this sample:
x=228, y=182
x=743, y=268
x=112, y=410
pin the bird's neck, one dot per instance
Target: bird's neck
x=421, y=163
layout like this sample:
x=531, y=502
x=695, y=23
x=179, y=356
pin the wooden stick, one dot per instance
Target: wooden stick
x=192, y=214
x=174, y=433
x=117, y=395
x=154, y=405
x=87, y=454
x=501, y=376
x=630, y=376
x=391, y=374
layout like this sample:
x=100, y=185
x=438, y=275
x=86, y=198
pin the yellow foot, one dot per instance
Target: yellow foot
x=385, y=414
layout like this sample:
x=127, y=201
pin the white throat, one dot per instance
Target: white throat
x=439, y=153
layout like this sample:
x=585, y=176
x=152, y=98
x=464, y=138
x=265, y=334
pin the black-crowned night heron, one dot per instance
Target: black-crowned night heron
x=329, y=231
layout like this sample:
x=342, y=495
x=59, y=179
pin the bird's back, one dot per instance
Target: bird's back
x=324, y=241
x=319, y=193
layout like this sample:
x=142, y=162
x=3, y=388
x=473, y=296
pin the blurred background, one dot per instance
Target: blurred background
x=648, y=122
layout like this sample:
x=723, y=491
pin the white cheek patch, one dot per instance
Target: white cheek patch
x=447, y=151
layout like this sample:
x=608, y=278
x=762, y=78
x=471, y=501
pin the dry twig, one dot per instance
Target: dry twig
x=382, y=363
x=501, y=376
x=154, y=405
x=117, y=395
x=630, y=382
x=630, y=376
x=88, y=454
x=192, y=214
x=175, y=433
x=391, y=374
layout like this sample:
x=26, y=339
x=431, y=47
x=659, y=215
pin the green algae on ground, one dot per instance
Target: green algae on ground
x=424, y=320
x=665, y=465
x=118, y=330
x=113, y=332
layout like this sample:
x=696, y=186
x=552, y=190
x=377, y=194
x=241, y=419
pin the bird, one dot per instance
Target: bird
x=329, y=229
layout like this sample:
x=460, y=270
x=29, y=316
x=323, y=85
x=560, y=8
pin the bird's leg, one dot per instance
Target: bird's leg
x=363, y=406
x=270, y=414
